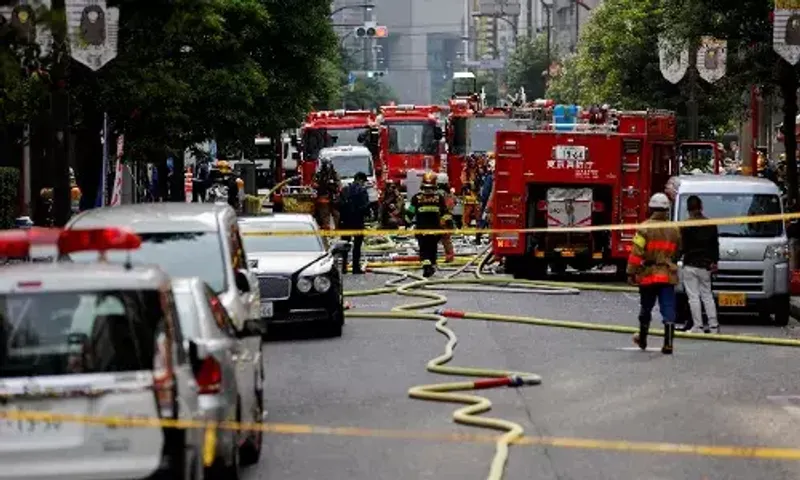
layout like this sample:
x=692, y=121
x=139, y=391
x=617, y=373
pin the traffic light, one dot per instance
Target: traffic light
x=370, y=30
x=376, y=73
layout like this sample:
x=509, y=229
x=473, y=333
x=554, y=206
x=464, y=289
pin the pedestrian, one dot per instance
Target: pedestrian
x=700, y=247
x=652, y=265
x=352, y=216
x=427, y=212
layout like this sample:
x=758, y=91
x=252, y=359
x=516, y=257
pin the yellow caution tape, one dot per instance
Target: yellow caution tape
x=781, y=217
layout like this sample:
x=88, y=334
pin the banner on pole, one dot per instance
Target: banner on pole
x=23, y=16
x=712, y=59
x=673, y=65
x=93, y=32
x=786, y=30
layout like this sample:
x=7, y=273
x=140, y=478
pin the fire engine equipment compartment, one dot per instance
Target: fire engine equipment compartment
x=753, y=271
x=594, y=174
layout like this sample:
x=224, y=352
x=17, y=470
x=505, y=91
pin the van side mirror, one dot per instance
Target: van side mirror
x=340, y=248
x=438, y=133
x=293, y=140
x=242, y=282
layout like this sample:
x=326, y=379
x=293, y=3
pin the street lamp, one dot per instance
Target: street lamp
x=365, y=6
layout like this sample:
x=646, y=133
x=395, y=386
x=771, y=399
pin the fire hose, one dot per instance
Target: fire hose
x=453, y=392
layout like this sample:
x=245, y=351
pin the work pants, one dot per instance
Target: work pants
x=324, y=212
x=358, y=241
x=428, y=246
x=471, y=212
x=697, y=283
x=449, y=251
x=664, y=294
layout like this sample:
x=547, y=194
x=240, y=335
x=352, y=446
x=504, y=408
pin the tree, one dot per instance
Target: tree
x=366, y=93
x=527, y=66
x=617, y=63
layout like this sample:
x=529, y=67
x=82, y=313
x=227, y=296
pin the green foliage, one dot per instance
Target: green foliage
x=617, y=63
x=366, y=93
x=190, y=70
x=9, y=199
x=527, y=65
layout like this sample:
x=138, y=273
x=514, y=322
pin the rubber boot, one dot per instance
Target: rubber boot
x=427, y=269
x=669, y=335
x=640, y=339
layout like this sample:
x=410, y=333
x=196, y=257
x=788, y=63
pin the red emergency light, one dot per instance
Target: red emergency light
x=97, y=240
x=18, y=243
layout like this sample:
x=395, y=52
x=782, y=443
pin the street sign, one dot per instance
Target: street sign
x=503, y=8
x=93, y=29
x=486, y=64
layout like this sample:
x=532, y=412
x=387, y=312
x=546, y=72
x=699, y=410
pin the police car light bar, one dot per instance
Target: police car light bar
x=18, y=243
x=97, y=240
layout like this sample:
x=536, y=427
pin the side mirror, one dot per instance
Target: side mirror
x=293, y=140
x=340, y=248
x=252, y=328
x=438, y=133
x=242, y=282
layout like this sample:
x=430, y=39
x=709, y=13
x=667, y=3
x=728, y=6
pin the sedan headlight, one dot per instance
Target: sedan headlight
x=304, y=285
x=322, y=284
x=777, y=252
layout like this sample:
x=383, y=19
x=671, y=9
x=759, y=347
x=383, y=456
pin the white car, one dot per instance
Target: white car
x=231, y=360
x=102, y=342
x=186, y=240
x=347, y=161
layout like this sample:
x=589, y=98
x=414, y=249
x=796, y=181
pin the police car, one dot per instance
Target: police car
x=99, y=344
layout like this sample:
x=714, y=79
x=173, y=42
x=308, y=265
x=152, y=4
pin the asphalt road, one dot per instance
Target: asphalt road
x=601, y=404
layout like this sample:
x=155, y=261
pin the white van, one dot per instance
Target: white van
x=347, y=161
x=753, y=272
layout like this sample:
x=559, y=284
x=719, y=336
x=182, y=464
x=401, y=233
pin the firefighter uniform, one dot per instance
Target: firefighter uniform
x=391, y=207
x=450, y=202
x=327, y=185
x=427, y=212
x=652, y=265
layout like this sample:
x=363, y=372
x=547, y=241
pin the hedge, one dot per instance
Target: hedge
x=9, y=196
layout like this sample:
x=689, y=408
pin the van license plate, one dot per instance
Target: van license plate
x=732, y=299
x=266, y=310
x=567, y=253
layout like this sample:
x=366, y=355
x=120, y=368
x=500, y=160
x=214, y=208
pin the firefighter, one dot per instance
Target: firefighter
x=327, y=183
x=652, y=265
x=391, y=207
x=450, y=201
x=427, y=212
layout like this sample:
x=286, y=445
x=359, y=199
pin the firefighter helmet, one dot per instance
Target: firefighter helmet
x=659, y=201
x=223, y=166
x=429, y=179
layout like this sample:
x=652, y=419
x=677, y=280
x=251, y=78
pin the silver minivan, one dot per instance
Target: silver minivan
x=753, y=271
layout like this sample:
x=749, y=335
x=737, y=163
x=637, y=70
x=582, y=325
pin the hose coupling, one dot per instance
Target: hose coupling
x=521, y=380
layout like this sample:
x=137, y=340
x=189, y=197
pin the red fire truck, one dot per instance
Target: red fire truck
x=411, y=140
x=578, y=169
x=338, y=128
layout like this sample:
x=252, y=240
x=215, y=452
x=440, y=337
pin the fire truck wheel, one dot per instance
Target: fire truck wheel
x=558, y=268
x=527, y=268
x=621, y=274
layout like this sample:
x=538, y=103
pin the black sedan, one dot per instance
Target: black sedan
x=297, y=274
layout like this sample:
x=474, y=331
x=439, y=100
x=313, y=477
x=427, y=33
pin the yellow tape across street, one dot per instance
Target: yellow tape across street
x=781, y=217
x=623, y=446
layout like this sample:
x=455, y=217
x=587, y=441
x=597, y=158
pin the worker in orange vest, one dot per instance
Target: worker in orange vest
x=652, y=265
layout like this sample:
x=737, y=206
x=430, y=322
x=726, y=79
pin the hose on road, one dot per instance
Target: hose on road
x=452, y=392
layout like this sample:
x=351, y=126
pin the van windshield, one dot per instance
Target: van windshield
x=726, y=205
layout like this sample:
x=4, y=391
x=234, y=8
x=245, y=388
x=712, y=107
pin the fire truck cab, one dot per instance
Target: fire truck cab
x=340, y=128
x=412, y=139
x=578, y=169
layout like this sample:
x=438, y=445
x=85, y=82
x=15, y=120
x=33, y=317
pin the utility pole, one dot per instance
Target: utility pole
x=691, y=105
x=59, y=115
x=496, y=36
x=529, y=15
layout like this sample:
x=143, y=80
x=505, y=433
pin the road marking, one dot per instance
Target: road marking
x=790, y=403
x=765, y=453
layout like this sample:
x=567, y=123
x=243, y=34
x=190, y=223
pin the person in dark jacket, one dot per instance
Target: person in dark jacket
x=700, y=257
x=354, y=207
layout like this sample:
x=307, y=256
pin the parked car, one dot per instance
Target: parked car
x=186, y=240
x=102, y=342
x=297, y=275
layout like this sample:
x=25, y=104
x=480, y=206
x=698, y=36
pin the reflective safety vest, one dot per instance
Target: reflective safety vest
x=428, y=211
x=654, y=255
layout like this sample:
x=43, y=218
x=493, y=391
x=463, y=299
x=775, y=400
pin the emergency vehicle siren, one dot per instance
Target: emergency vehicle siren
x=18, y=243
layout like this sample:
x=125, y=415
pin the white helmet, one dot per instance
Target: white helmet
x=659, y=201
